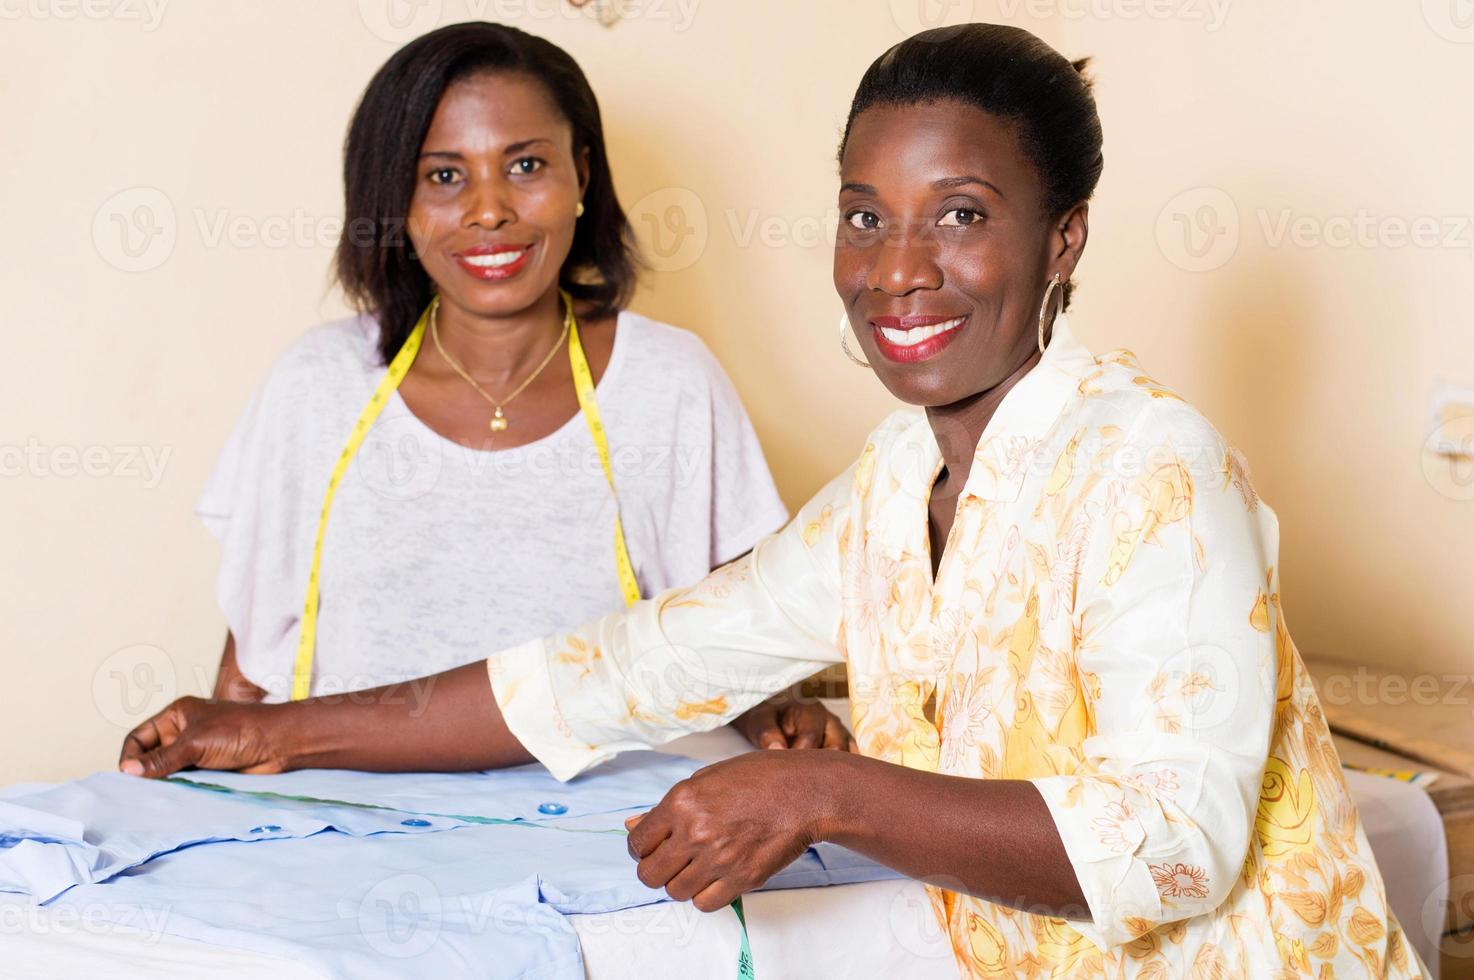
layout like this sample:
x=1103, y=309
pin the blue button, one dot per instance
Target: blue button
x=270, y=828
x=415, y=822
x=552, y=809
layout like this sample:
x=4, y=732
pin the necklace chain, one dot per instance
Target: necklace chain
x=499, y=421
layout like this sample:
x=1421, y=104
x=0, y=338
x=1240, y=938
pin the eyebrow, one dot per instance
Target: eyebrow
x=510, y=149
x=949, y=182
x=945, y=183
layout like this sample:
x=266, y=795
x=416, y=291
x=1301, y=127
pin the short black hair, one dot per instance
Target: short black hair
x=1008, y=72
x=375, y=261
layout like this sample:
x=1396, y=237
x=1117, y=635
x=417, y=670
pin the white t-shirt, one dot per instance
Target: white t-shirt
x=437, y=555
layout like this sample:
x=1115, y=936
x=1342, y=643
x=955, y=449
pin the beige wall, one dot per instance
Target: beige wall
x=223, y=123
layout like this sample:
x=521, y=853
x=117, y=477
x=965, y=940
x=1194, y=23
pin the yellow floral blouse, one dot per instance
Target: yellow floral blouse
x=1105, y=622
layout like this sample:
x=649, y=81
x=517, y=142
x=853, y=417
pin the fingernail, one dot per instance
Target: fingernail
x=132, y=767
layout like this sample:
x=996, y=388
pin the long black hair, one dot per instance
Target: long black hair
x=1007, y=72
x=376, y=263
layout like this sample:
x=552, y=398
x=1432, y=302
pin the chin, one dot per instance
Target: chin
x=922, y=389
x=501, y=299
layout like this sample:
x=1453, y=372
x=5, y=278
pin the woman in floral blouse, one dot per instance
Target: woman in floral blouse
x=1080, y=714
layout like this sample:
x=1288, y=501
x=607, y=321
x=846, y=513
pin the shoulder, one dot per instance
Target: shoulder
x=1121, y=395
x=304, y=405
x=1145, y=433
x=330, y=354
x=323, y=374
x=349, y=345
x=651, y=348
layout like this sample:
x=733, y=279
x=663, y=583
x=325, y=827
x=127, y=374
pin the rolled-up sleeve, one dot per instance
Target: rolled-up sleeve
x=686, y=660
x=1178, y=666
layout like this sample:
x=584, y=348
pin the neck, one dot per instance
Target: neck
x=959, y=427
x=499, y=350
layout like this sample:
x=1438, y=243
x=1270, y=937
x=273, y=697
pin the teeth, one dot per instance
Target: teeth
x=910, y=338
x=495, y=259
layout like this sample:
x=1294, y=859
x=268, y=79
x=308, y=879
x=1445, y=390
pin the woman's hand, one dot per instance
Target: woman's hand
x=730, y=827
x=193, y=732
x=784, y=723
x=448, y=722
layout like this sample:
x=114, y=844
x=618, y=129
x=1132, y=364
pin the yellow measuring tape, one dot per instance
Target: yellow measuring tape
x=583, y=384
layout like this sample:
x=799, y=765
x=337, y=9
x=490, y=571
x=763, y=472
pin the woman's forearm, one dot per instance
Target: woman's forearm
x=991, y=838
x=445, y=722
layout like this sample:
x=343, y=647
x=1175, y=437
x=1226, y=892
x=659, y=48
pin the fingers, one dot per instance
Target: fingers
x=718, y=894
x=767, y=733
x=690, y=881
x=158, y=731
x=178, y=754
x=663, y=864
x=135, y=744
x=852, y=745
x=809, y=721
x=634, y=821
x=650, y=844
x=795, y=725
x=648, y=831
x=759, y=725
x=835, y=735
x=771, y=738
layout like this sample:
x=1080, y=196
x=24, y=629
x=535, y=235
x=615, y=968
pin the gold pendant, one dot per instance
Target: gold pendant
x=499, y=422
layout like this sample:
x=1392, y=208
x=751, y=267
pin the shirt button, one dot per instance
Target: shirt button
x=415, y=822
x=270, y=828
x=552, y=809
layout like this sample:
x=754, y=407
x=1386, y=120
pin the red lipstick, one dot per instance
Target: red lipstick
x=909, y=339
x=493, y=263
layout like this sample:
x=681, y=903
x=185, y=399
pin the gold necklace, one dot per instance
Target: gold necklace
x=499, y=421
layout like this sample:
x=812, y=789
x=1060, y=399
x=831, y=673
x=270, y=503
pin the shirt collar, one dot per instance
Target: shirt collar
x=1026, y=415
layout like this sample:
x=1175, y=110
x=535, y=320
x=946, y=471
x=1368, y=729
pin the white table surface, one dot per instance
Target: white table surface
x=882, y=929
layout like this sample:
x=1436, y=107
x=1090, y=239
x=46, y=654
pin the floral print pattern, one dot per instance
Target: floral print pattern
x=1105, y=621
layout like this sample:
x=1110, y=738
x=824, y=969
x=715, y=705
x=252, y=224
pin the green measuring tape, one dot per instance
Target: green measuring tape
x=744, y=953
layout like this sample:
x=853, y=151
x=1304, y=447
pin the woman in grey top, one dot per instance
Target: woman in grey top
x=477, y=512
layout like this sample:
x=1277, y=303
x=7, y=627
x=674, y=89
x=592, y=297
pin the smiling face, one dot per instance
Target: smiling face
x=496, y=189
x=945, y=250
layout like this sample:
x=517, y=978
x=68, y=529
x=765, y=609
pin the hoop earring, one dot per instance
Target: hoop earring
x=1044, y=307
x=844, y=344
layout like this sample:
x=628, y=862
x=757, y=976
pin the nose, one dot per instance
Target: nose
x=488, y=205
x=904, y=262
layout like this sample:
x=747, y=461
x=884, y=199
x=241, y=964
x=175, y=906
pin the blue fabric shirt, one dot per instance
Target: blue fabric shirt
x=414, y=891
